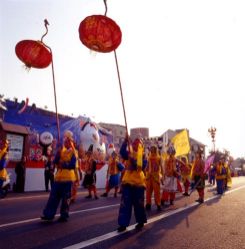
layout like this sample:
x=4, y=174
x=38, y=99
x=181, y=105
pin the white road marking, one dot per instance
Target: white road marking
x=110, y=235
x=73, y=212
x=92, y=209
x=24, y=197
x=19, y=222
x=46, y=195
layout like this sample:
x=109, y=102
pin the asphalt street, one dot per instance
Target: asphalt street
x=217, y=223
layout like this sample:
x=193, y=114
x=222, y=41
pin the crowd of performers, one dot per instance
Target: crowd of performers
x=133, y=172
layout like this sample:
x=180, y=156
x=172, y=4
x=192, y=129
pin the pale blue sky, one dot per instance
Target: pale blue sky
x=182, y=64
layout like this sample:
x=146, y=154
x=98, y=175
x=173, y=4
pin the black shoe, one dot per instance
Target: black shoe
x=139, y=226
x=199, y=200
x=96, y=197
x=104, y=195
x=148, y=206
x=88, y=196
x=159, y=208
x=43, y=217
x=171, y=202
x=62, y=219
x=115, y=195
x=121, y=229
x=186, y=194
x=162, y=202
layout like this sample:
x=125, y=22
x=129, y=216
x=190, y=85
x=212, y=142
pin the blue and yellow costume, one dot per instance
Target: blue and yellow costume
x=3, y=164
x=61, y=190
x=133, y=185
x=115, y=167
x=220, y=177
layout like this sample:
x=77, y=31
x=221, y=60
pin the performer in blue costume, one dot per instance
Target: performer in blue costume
x=65, y=162
x=113, y=174
x=133, y=185
x=3, y=164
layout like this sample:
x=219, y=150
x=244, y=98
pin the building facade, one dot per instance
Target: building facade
x=141, y=132
x=118, y=133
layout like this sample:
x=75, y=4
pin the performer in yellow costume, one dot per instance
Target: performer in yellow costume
x=3, y=165
x=185, y=169
x=75, y=184
x=65, y=162
x=133, y=185
x=170, y=177
x=220, y=175
x=228, y=180
x=154, y=173
x=198, y=175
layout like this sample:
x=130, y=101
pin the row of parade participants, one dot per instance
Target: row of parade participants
x=139, y=174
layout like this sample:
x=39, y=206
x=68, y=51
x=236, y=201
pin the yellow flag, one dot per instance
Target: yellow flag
x=181, y=143
x=140, y=155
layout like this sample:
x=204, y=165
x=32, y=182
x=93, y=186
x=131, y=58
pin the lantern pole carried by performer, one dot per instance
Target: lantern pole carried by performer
x=102, y=34
x=52, y=64
x=119, y=79
x=120, y=85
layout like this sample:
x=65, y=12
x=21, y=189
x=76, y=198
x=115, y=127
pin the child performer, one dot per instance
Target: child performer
x=113, y=173
x=89, y=181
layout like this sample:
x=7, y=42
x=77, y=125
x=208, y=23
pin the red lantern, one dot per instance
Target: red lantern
x=100, y=33
x=33, y=53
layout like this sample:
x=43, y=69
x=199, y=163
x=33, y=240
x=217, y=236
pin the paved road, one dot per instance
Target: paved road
x=218, y=223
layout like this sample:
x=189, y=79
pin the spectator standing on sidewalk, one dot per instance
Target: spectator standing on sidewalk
x=48, y=169
x=20, y=171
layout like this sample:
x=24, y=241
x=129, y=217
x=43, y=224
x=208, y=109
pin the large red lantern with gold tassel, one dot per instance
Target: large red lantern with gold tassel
x=100, y=33
x=38, y=55
x=33, y=53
